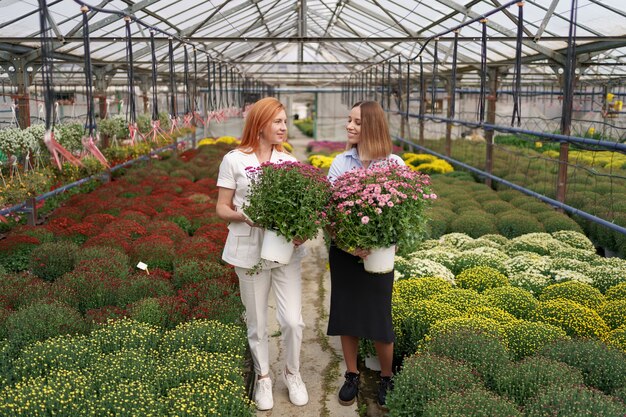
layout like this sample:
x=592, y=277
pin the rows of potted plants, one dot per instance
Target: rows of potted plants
x=597, y=191
x=76, y=272
x=25, y=159
x=524, y=326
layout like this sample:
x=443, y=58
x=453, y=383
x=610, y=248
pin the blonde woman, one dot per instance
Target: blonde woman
x=360, y=303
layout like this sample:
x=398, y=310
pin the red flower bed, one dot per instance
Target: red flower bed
x=136, y=216
x=70, y=212
x=167, y=228
x=99, y=219
x=102, y=314
x=215, y=232
x=127, y=228
x=59, y=224
x=200, y=248
x=15, y=241
x=110, y=239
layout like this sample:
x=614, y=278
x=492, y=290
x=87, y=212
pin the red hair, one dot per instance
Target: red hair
x=260, y=115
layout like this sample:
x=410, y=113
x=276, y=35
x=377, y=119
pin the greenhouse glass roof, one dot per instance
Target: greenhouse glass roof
x=316, y=42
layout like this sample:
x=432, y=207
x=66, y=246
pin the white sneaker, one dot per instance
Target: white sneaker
x=263, y=394
x=297, y=389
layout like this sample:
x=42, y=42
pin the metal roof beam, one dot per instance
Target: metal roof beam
x=187, y=32
x=112, y=18
x=555, y=56
x=546, y=19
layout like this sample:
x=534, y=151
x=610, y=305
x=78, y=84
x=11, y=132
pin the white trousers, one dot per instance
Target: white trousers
x=286, y=283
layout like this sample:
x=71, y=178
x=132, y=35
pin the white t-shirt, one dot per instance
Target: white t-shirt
x=243, y=244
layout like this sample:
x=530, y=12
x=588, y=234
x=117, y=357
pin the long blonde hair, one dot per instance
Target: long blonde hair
x=375, y=140
x=260, y=115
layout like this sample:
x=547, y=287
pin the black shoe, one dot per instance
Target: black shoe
x=385, y=385
x=350, y=389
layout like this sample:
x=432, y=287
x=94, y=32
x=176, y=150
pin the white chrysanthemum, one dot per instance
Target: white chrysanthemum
x=418, y=268
x=531, y=282
x=557, y=264
x=541, y=243
x=561, y=275
x=528, y=262
x=444, y=255
x=456, y=240
x=574, y=239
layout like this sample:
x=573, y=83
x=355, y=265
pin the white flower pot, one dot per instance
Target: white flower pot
x=276, y=248
x=372, y=362
x=380, y=260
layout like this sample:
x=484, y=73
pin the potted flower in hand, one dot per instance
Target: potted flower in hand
x=378, y=209
x=288, y=199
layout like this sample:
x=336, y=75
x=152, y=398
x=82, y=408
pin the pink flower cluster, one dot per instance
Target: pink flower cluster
x=377, y=207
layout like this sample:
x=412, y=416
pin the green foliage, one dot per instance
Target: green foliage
x=69, y=135
x=69, y=352
x=412, y=321
x=15, y=252
x=617, y=338
x=617, y=292
x=41, y=320
x=229, y=399
x=603, y=367
x=482, y=351
x=305, y=125
x=524, y=338
x=190, y=271
x=94, y=287
x=573, y=401
x=149, y=311
x=125, y=334
x=141, y=285
x=474, y=223
x=575, y=319
x=472, y=403
x=497, y=206
x=289, y=198
x=108, y=259
x=517, y=301
x=51, y=260
x=613, y=313
x=583, y=294
x=114, y=126
x=516, y=223
x=524, y=380
x=63, y=393
x=556, y=222
x=481, y=278
x=210, y=336
x=424, y=378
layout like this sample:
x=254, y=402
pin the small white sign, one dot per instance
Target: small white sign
x=143, y=267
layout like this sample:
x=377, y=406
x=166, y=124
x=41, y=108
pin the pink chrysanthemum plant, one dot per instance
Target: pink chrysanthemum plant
x=379, y=207
x=290, y=198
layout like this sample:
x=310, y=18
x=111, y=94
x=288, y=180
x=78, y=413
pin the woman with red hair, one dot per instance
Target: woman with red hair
x=262, y=140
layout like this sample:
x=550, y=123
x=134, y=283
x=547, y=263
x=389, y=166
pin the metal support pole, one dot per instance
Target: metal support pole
x=449, y=113
x=491, y=119
x=22, y=79
x=31, y=211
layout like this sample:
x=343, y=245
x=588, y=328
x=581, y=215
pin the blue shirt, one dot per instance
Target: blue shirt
x=349, y=160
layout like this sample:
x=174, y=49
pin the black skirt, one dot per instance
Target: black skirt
x=360, y=302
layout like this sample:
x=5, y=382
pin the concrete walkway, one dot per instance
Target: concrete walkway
x=322, y=365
